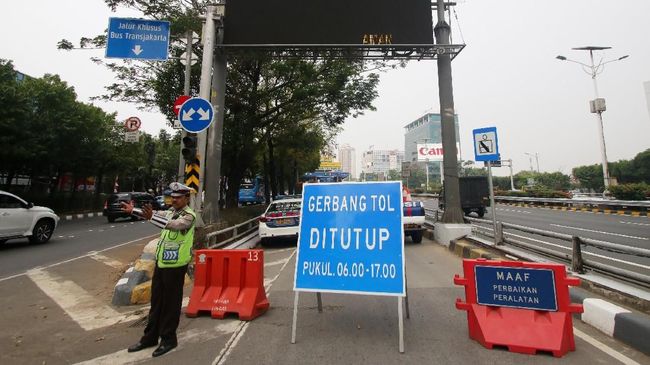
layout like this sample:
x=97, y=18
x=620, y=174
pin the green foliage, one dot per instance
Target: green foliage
x=636, y=191
x=50, y=134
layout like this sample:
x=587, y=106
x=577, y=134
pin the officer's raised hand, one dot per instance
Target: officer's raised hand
x=147, y=211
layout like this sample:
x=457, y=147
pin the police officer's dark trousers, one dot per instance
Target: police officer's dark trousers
x=166, y=301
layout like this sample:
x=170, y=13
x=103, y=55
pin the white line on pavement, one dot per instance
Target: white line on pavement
x=636, y=224
x=268, y=252
x=604, y=348
x=81, y=257
x=241, y=329
x=186, y=338
x=273, y=263
x=601, y=232
x=106, y=260
x=83, y=308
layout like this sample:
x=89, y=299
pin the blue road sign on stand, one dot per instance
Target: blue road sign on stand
x=516, y=287
x=486, y=144
x=137, y=39
x=195, y=115
x=351, y=239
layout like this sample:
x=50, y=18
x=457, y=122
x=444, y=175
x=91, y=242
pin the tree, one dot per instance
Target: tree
x=590, y=177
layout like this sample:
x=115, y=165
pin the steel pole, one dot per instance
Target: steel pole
x=453, y=212
x=215, y=133
x=186, y=91
x=494, y=208
x=426, y=189
x=512, y=180
x=601, y=133
x=204, y=92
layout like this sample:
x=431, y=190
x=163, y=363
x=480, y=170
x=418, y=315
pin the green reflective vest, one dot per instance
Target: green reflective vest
x=175, y=247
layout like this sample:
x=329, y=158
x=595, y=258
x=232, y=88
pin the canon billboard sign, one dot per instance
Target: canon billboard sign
x=431, y=151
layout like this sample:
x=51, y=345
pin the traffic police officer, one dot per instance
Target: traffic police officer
x=173, y=254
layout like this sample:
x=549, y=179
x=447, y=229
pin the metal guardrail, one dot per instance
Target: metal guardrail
x=232, y=233
x=576, y=258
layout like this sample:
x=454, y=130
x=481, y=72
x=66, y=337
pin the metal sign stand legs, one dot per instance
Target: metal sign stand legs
x=400, y=315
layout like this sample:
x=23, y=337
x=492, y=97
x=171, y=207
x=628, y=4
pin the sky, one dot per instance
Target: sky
x=507, y=76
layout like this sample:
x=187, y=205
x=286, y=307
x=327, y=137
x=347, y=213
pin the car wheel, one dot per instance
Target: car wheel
x=2, y=241
x=481, y=212
x=265, y=242
x=416, y=236
x=111, y=219
x=42, y=232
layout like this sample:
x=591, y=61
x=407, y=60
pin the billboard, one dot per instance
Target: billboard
x=298, y=23
x=433, y=151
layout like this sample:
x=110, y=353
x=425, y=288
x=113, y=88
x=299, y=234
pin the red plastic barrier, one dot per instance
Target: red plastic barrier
x=228, y=281
x=520, y=330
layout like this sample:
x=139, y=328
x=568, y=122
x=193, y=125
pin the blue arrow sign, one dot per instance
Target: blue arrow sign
x=486, y=144
x=196, y=115
x=139, y=39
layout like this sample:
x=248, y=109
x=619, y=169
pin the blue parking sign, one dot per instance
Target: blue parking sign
x=351, y=239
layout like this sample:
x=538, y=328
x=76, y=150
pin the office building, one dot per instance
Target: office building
x=348, y=159
x=380, y=162
x=426, y=129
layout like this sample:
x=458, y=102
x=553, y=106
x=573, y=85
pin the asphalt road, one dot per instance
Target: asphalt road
x=71, y=239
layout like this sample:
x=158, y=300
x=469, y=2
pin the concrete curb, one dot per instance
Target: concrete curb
x=72, y=217
x=140, y=272
x=622, y=212
x=628, y=327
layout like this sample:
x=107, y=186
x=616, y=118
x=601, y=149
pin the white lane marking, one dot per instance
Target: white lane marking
x=267, y=252
x=241, y=329
x=636, y=224
x=604, y=348
x=583, y=252
x=106, y=260
x=80, y=257
x=81, y=306
x=273, y=263
x=601, y=232
x=194, y=335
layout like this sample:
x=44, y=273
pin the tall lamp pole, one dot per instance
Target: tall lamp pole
x=598, y=104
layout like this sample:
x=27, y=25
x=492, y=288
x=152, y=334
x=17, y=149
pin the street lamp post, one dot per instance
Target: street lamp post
x=530, y=156
x=598, y=108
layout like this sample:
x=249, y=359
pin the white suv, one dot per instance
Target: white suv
x=19, y=219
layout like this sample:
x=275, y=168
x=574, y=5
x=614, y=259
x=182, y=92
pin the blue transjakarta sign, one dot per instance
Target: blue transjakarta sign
x=516, y=287
x=351, y=239
x=137, y=39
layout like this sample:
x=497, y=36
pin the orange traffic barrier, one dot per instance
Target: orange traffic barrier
x=228, y=281
x=523, y=306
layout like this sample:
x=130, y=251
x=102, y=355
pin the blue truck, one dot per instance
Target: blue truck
x=251, y=192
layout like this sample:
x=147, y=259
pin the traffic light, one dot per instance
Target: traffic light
x=189, y=148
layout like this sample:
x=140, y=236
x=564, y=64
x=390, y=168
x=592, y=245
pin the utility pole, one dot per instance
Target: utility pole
x=512, y=180
x=453, y=212
x=204, y=92
x=215, y=132
x=186, y=91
